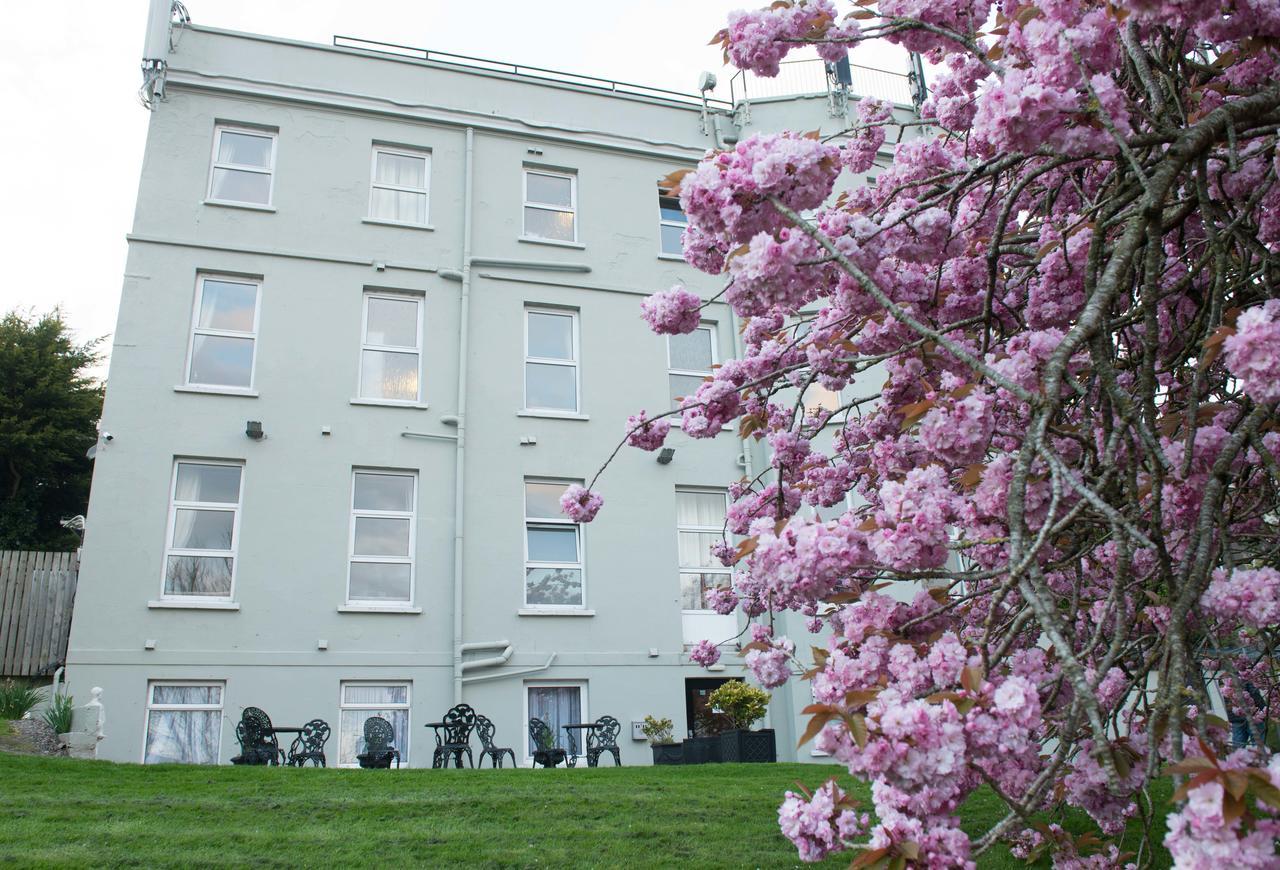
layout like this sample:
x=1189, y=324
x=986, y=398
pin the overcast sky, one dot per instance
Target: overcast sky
x=69, y=76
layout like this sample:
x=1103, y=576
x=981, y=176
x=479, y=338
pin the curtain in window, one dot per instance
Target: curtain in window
x=700, y=509
x=351, y=728
x=557, y=706
x=183, y=736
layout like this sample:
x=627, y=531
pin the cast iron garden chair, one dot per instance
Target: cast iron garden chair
x=485, y=729
x=258, y=743
x=378, y=737
x=604, y=738
x=545, y=752
x=309, y=744
x=456, y=739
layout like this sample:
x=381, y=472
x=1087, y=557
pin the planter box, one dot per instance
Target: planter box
x=702, y=750
x=667, y=753
x=749, y=746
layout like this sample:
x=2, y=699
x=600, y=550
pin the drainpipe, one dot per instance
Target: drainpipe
x=459, y=487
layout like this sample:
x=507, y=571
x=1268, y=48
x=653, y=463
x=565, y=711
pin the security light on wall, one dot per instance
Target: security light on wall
x=706, y=82
x=666, y=455
x=253, y=428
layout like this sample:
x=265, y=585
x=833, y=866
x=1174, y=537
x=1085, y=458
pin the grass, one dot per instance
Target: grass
x=61, y=812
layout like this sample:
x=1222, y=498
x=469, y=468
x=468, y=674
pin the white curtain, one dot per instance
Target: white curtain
x=557, y=706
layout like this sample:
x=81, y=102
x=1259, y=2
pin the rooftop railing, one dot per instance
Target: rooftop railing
x=810, y=76
x=524, y=71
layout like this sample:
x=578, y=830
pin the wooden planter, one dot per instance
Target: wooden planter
x=667, y=753
x=749, y=746
x=702, y=750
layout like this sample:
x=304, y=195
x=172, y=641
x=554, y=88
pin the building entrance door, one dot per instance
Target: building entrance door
x=697, y=710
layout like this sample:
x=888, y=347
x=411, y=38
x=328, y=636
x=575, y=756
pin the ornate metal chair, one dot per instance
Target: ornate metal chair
x=604, y=738
x=545, y=751
x=485, y=729
x=309, y=744
x=258, y=743
x=456, y=740
x=378, y=737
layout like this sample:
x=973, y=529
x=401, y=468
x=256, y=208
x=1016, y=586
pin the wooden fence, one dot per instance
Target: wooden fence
x=37, y=590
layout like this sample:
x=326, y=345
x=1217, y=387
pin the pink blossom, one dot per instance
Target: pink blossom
x=705, y=653
x=1248, y=595
x=770, y=667
x=672, y=312
x=645, y=433
x=580, y=504
x=1253, y=352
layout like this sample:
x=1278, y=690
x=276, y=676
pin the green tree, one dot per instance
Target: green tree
x=49, y=410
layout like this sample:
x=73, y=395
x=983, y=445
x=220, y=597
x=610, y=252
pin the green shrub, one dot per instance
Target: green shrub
x=17, y=699
x=657, y=730
x=743, y=704
x=58, y=713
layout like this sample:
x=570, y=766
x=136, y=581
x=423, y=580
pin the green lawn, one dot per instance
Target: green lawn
x=59, y=812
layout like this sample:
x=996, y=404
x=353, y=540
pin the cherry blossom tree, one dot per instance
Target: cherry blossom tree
x=1072, y=286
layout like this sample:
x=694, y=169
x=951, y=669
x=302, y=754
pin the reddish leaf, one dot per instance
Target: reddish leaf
x=1213, y=345
x=972, y=475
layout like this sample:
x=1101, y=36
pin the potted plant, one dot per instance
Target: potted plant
x=705, y=748
x=665, y=748
x=743, y=705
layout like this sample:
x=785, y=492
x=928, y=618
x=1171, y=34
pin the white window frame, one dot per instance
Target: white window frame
x=713, y=330
x=175, y=505
x=419, y=300
x=197, y=329
x=151, y=705
x=269, y=171
x=719, y=530
x=410, y=560
x=581, y=564
x=571, y=209
x=665, y=222
x=581, y=686
x=574, y=363
x=407, y=706
x=374, y=184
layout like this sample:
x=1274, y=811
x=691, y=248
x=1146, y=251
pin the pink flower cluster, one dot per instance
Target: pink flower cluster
x=1200, y=838
x=580, y=504
x=958, y=432
x=705, y=653
x=728, y=194
x=1248, y=596
x=827, y=822
x=672, y=312
x=757, y=40
x=647, y=434
x=1253, y=352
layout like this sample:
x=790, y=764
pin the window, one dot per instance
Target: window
x=382, y=537
x=390, y=350
x=550, y=360
x=690, y=359
x=550, y=205
x=557, y=704
x=243, y=164
x=671, y=224
x=224, y=333
x=204, y=523
x=699, y=525
x=553, y=575
x=184, y=723
x=398, y=190
x=363, y=700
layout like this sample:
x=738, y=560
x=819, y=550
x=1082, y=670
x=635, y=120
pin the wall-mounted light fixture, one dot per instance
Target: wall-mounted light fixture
x=665, y=455
x=253, y=428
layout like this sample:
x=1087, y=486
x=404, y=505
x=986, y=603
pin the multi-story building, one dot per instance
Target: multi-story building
x=381, y=306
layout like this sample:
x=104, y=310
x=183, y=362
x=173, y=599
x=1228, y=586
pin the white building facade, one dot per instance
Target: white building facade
x=380, y=308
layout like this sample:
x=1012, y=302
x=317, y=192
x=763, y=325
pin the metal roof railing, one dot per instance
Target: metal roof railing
x=810, y=76
x=524, y=71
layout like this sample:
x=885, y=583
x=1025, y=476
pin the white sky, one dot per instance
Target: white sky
x=69, y=76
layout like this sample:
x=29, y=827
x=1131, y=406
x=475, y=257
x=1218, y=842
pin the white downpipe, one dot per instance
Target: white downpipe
x=460, y=465
x=502, y=675
x=500, y=659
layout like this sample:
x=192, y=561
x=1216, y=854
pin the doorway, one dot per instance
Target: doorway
x=697, y=710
